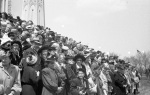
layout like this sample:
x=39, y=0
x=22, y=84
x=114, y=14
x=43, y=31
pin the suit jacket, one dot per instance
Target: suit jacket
x=120, y=80
x=10, y=80
x=50, y=81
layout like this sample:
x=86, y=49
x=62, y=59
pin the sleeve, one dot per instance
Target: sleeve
x=17, y=83
x=119, y=82
x=1, y=89
x=73, y=88
x=48, y=83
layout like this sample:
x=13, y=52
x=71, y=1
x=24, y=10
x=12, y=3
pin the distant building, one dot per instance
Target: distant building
x=27, y=9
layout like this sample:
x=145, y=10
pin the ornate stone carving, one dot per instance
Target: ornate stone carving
x=25, y=2
x=9, y=6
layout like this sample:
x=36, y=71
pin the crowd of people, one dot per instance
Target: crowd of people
x=35, y=60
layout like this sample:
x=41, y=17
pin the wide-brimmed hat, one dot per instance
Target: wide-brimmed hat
x=79, y=56
x=45, y=47
x=35, y=41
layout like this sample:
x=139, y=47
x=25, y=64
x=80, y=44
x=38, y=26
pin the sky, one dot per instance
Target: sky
x=119, y=26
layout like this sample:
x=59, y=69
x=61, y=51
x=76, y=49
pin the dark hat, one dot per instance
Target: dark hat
x=79, y=56
x=45, y=47
x=111, y=63
x=120, y=66
x=68, y=57
x=11, y=34
x=82, y=70
x=51, y=59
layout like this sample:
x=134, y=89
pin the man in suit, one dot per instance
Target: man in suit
x=120, y=80
x=50, y=79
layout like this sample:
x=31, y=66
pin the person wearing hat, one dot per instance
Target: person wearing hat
x=5, y=43
x=10, y=76
x=120, y=80
x=43, y=53
x=79, y=59
x=16, y=52
x=30, y=76
x=14, y=35
x=50, y=78
x=79, y=85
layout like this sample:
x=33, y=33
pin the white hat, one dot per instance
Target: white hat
x=5, y=39
x=65, y=48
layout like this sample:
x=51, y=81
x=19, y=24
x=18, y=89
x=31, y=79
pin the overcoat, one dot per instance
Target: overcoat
x=50, y=81
x=10, y=80
x=120, y=81
x=29, y=81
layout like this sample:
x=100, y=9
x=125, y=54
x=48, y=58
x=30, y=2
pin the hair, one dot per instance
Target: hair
x=5, y=14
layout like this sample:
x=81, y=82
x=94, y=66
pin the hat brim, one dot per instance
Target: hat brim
x=79, y=56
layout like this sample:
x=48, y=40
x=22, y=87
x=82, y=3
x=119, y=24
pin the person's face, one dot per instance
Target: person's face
x=3, y=16
x=81, y=74
x=79, y=61
x=70, y=61
x=52, y=52
x=112, y=67
x=15, y=46
x=6, y=60
x=121, y=71
x=44, y=54
x=23, y=24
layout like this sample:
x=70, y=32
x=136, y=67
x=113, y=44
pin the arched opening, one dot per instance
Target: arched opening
x=32, y=13
x=25, y=13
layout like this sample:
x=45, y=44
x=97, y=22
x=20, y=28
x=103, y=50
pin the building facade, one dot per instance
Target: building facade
x=27, y=9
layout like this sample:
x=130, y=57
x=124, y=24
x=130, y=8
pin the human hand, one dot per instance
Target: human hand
x=59, y=89
x=80, y=92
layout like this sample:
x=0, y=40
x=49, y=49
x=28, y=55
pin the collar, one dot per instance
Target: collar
x=10, y=68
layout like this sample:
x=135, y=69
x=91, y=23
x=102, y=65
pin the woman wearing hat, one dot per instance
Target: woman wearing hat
x=30, y=77
x=9, y=76
x=16, y=52
x=79, y=59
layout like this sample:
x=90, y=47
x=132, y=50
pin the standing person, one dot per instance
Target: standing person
x=120, y=80
x=9, y=76
x=79, y=59
x=16, y=52
x=30, y=77
x=79, y=85
x=50, y=79
x=3, y=23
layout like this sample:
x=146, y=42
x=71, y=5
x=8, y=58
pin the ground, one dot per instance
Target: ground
x=144, y=86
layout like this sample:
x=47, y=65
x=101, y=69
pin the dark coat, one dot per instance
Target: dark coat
x=112, y=76
x=120, y=80
x=50, y=82
x=77, y=86
x=29, y=81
